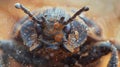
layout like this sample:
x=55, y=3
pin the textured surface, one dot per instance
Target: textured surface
x=104, y=12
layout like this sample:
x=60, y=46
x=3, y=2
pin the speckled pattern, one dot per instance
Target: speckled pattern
x=104, y=14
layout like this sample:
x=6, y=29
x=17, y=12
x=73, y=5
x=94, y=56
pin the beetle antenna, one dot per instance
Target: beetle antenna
x=62, y=19
x=20, y=6
x=76, y=14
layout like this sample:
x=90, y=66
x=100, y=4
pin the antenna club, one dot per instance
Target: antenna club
x=18, y=5
x=86, y=8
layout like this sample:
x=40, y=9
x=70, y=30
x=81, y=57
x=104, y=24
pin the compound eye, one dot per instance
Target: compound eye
x=67, y=28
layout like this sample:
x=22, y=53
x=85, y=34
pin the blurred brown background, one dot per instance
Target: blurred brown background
x=104, y=12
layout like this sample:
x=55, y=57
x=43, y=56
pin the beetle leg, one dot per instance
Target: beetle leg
x=16, y=51
x=3, y=55
x=4, y=60
x=20, y=54
x=99, y=50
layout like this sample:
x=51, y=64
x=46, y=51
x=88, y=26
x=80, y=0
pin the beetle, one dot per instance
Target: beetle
x=54, y=38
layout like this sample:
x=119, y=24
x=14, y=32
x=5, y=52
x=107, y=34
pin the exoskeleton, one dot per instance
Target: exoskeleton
x=52, y=37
